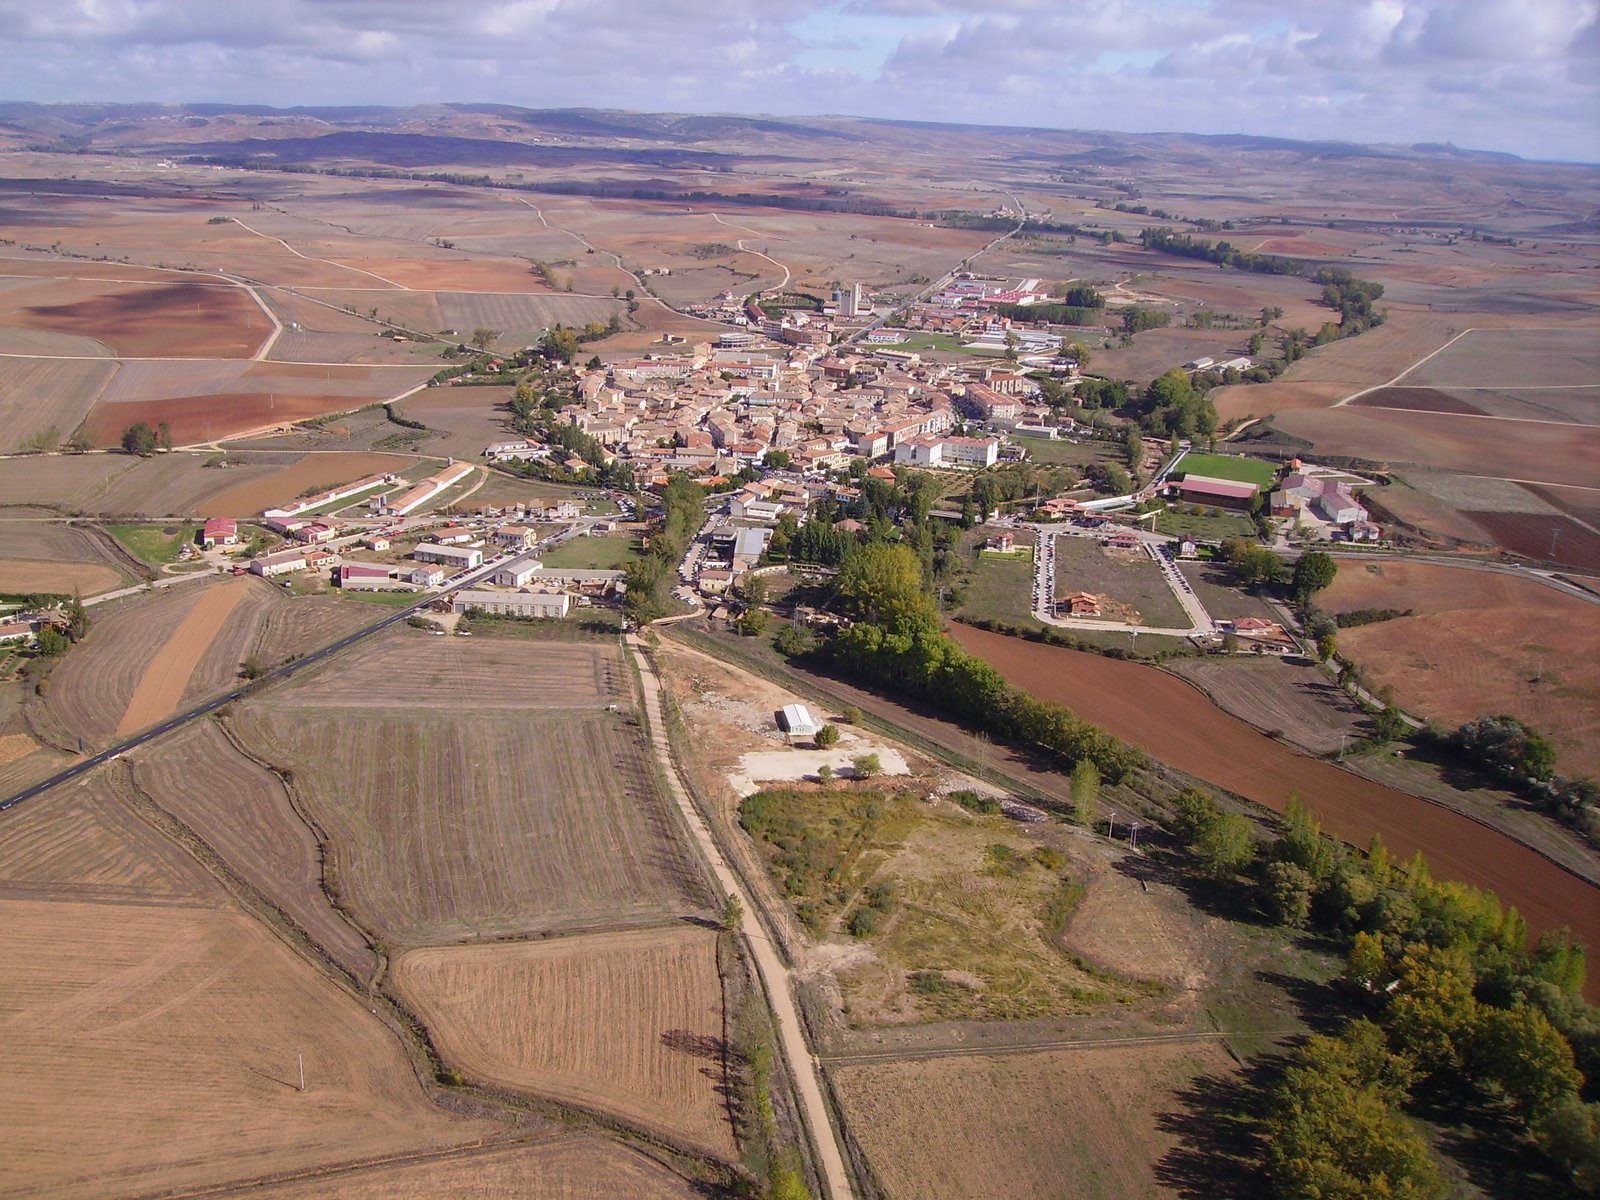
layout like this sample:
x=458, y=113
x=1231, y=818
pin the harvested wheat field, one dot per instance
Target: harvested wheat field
x=1293, y=699
x=20, y=576
x=243, y=812
x=39, y=394
x=153, y=1048
x=81, y=841
x=298, y=476
x=1176, y=724
x=408, y=669
x=164, y=681
x=91, y=688
x=449, y=825
x=624, y=1023
x=1480, y=642
x=568, y=1167
x=1080, y=1123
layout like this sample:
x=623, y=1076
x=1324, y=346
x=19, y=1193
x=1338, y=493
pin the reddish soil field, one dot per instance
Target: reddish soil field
x=1418, y=399
x=1480, y=642
x=1176, y=724
x=1543, y=537
x=458, y=275
x=183, y=320
x=312, y=471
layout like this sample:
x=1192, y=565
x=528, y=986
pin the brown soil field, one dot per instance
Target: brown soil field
x=1293, y=698
x=302, y=623
x=170, y=485
x=516, y=314
x=1407, y=500
x=1159, y=350
x=14, y=746
x=1082, y=1123
x=1543, y=537
x=20, y=575
x=154, y=1048
x=1416, y=399
x=468, y=418
x=1481, y=642
x=1516, y=449
x=40, y=393
x=414, y=310
x=82, y=842
x=623, y=1023
x=1261, y=399
x=175, y=319
x=450, y=825
x=167, y=677
x=298, y=476
x=1176, y=724
x=569, y=1167
x=1581, y=502
x=448, y=275
x=243, y=812
x=1515, y=357
x=90, y=689
x=407, y=669
x=63, y=481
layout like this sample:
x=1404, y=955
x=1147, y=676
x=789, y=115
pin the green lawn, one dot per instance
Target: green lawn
x=1223, y=466
x=387, y=599
x=156, y=545
x=610, y=553
x=1198, y=522
x=1075, y=454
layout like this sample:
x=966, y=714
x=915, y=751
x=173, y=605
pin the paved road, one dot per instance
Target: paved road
x=775, y=977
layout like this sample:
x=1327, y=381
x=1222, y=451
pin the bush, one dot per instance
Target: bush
x=976, y=802
x=827, y=736
x=866, y=766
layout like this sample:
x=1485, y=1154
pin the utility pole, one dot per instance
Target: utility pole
x=302, y=1058
x=1111, y=825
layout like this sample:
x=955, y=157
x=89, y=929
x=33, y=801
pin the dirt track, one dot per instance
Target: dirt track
x=164, y=680
x=1175, y=723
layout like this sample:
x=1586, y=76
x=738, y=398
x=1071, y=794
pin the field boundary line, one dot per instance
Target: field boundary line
x=1380, y=386
x=1042, y=1047
x=1475, y=416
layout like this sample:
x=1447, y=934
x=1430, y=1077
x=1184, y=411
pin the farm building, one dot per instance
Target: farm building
x=458, y=557
x=582, y=579
x=797, y=719
x=315, y=532
x=1080, y=604
x=513, y=537
x=288, y=561
x=349, y=490
x=454, y=535
x=427, y=576
x=375, y=542
x=368, y=577
x=16, y=631
x=1222, y=493
x=513, y=604
x=219, y=531
x=516, y=574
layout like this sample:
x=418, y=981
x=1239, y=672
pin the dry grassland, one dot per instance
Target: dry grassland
x=445, y=826
x=1080, y=1123
x=626, y=1023
x=298, y=624
x=243, y=812
x=14, y=746
x=1294, y=699
x=406, y=669
x=570, y=1167
x=155, y=1049
x=40, y=393
x=298, y=476
x=91, y=688
x=82, y=842
x=167, y=677
x=1480, y=643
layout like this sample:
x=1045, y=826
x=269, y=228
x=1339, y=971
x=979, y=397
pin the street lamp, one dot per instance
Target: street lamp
x=1111, y=825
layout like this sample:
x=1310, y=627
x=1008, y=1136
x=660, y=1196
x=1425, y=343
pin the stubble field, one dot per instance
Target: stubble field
x=297, y=476
x=38, y=394
x=623, y=1023
x=166, y=679
x=1081, y=1123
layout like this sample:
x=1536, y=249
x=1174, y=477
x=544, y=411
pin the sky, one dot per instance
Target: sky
x=1513, y=75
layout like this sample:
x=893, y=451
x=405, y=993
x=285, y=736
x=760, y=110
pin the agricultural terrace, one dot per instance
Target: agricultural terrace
x=570, y=1167
x=485, y=789
x=1225, y=466
x=1090, y=1123
x=243, y=812
x=959, y=916
x=1478, y=643
x=624, y=1023
x=1137, y=702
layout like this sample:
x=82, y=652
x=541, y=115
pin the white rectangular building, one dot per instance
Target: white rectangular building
x=513, y=604
x=459, y=557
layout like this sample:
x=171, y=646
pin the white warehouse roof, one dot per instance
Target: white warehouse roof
x=796, y=718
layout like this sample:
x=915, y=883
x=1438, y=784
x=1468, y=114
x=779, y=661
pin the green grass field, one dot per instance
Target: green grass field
x=156, y=545
x=610, y=553
x=1222, y=466
x=1204, y=523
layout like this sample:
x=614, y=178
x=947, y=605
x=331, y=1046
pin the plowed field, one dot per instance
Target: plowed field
x=22, y=576
x=242, y=811
x=1176, y=724
x=167, y=677
x=449, y=825
x=1480, y=643
x=39, y=393
x=572, y=1167
x=179, y=320
x=1079, y=1123
x=627, y=1023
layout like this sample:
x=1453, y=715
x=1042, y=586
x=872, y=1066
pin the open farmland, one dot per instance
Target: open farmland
x=624, y=1023
x=155, y=1048
x=1292, y=698
x=524, y=316
x=243, y=812
x=91, y=688
x=1480, y=643
x=39, y=394
x=1082, y=1123
x=167, y=677
x=51, y=556
x=298, y=476
x=1176, y=724
x=569, y=1167
x=453, y=824
x=122, y=485
x=180, y=319
x=467, y=418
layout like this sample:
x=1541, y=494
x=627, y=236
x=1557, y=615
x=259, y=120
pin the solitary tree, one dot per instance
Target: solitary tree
x=827, y=736
x=867, y=766
x=732, y=913
x=484, y=338
x=1312, y=573
x=139, y=439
